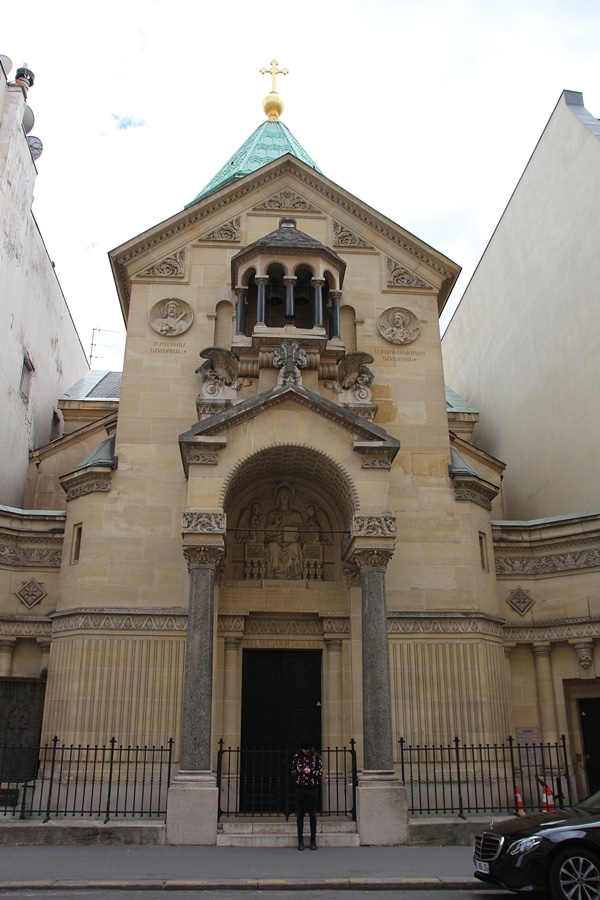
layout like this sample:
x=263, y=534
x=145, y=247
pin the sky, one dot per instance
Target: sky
x=426, y=111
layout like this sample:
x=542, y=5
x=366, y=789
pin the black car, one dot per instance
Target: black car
x=557, y=851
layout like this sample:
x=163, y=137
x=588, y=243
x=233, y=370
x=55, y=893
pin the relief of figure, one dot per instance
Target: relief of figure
x=399, y=326
x=250, y=526
x=316, y=526
x=171, y=317
x=282, y=536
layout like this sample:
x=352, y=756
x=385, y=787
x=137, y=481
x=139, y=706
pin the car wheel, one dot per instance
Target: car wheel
x=575, y=875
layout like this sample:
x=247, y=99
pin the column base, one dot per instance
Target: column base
x=382, y=810
x=192, y=804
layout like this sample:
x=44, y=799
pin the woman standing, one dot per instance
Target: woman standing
x=307, y=770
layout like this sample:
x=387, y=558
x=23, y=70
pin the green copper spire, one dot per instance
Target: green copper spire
x=269, y=142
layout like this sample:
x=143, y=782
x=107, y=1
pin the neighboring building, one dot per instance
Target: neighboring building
x=41, y=351
x=284, y=528
x=521, y=345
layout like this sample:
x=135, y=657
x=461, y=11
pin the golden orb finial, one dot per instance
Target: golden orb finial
x=273, y=104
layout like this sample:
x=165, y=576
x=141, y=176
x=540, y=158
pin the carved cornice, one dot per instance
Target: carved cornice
x=87, y=481
x=584, y=627
x=126, y=619
x=474, y=489
x=27, y=552
x=443, y=623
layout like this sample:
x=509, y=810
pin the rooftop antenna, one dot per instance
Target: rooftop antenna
x=95, y=344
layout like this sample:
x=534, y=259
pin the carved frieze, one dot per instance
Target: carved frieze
x=25, y=626
x=126, y=619
x=201, y=522
x=475, y=490
x=47, y=553
x=374, y=526
x=86, y=482
x=522, y=564
x=172, y=266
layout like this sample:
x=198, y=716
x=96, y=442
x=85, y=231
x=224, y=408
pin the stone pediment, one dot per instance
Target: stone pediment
x=206, y=438
x=286, y=174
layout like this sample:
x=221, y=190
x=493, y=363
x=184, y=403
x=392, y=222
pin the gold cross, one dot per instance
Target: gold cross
x=274, y=73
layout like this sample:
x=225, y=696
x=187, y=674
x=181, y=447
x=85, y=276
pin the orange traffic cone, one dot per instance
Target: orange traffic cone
x=548, y=804
x=519, y=805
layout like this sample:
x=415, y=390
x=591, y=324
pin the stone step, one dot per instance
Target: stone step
x=265, y=832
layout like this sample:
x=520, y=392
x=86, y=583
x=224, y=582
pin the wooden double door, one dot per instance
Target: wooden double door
x=281, y=707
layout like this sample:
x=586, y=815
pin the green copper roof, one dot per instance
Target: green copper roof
x=269, y=142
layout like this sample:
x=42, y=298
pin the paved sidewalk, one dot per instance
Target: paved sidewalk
x=218, y=868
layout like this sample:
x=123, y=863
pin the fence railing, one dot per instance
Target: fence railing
x=258, y=781
x=467, y=779
x=108, y=781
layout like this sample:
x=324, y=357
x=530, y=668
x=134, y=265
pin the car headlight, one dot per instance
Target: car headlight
x=525, y=845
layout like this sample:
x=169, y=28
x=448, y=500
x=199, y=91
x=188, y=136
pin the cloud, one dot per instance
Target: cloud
x=124, y=123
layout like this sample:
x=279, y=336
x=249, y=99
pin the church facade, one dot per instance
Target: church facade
x=282, y=528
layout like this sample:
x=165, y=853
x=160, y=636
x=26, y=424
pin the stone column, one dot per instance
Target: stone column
x=318, y=314
x=335, y=719
x=197, y=687
x=261, y=282
x=6, y=652
x=240, y=310
x=192, y=799
x=547, y=705
x=381, y=804
x=289, y=281
x=377, y=700
x=336, y=325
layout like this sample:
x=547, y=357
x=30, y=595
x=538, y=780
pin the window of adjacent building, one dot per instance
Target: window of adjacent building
x=76, y=543
x=483, y=551
x=26, y=376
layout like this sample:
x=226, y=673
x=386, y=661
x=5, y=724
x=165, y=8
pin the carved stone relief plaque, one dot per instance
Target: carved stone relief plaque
x=171, y=317
x=398, y=325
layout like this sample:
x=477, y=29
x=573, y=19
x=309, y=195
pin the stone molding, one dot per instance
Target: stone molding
x=476, y=490
x=441, y=623
x=28, y=552
x=553, y=630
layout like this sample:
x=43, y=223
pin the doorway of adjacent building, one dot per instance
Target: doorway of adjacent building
x=281, y=706
x=589, y=714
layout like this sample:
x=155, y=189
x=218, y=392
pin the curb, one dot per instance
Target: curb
x=255, y=884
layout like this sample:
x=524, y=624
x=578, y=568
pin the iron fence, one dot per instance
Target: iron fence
x=108, y=781
x=467, y=779
x=258, y=782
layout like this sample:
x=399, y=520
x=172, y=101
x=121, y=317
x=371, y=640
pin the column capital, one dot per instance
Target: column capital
x=261, y=279
x=318, y=281
x=7, y=643
x=542, y=649
x=203, y=556
x=584, y=650
x=241, y=289
x=372, y=558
